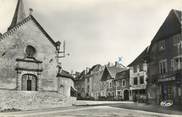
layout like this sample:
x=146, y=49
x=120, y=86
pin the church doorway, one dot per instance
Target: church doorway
x=29, y=82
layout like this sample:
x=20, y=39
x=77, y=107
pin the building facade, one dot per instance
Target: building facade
x=29, y=57
x=93, y=81
x=108, y=87
x=138, y=76
x=122, y=85
x=165, y=62
x=80, y=85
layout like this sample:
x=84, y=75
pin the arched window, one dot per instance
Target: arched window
x=30, y=51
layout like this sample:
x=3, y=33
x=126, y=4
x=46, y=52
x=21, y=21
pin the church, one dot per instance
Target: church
x=29, y=58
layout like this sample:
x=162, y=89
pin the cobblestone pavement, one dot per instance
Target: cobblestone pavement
x=90, y=111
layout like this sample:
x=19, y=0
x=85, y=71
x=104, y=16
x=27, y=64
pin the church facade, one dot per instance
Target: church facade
x=29, y=58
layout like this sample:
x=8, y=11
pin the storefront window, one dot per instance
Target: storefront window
x=179, y=91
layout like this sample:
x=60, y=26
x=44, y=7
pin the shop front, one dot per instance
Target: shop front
x=170, y=88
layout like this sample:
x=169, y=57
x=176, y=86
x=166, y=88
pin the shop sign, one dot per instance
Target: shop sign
x=167, y=79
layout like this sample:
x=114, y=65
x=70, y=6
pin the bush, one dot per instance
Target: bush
x=10, y=110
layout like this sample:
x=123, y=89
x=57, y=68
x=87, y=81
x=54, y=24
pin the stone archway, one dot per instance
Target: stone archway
x=126, y=95
x=29, y=82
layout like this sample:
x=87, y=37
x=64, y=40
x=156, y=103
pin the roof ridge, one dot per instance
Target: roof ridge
x=19, y=14
x=9, y=32
x=175, y=11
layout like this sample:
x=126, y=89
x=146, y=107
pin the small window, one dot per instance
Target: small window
x=136, y=81
x=30, y=51
x=141, y=67
x=135, y=68
x=88, y=80
x=123, y=83
x=162, y=45
x=110, y=84
x=176, y=39
x=142, y=80
x=163, y=67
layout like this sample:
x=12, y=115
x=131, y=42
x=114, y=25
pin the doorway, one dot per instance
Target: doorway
x=29, y=82
x=126, y=95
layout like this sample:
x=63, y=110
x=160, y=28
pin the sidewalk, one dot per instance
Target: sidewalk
x=177, y=110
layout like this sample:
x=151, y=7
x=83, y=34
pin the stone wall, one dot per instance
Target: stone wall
x=32, y=100
x=65, y=85
x=13, y=47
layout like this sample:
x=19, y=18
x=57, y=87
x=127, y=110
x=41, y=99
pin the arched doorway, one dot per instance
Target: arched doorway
x=126, y=95
x=29, y=82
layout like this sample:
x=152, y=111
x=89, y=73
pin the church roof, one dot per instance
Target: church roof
x=19, y=14
x=171, y=26
x=20, y=19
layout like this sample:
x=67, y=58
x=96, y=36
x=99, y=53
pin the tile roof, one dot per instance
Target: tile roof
x=65, y=74
x=123, y=74
x=171, y=26
x=141, y=58
x=112, y=71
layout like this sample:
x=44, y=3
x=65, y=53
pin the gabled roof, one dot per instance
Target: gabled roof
x=111, y=71
x=123, y=74
x=81, y=76
x=29, y=18
x=19, y=14
x=65, y=74
x=95, y=68
x=170, y=26
x=141, y=58
x=20, y=19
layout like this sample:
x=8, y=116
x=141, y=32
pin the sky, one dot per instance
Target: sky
x=96, y=31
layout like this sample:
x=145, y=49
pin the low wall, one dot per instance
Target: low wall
x=32, y=100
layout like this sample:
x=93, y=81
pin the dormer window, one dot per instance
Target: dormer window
x=162, y=45
x=30, y=51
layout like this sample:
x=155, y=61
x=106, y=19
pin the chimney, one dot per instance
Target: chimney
x=109, y=64
x=87, y=70
x=116, y=64
x=30, y=11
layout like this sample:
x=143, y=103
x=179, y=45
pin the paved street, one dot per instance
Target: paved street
x=86, y=111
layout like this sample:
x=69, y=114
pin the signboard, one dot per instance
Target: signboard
x=167, y=79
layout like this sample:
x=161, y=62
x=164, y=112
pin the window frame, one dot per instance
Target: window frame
x=142, y=79
x=135, y=79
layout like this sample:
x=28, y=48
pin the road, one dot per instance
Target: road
x=86, y=111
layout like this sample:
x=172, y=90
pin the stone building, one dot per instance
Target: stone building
x=88, y=83
x=80, y=85
x=93, y=81
x=29, y=57
x=165, y=62
x=108, y=87
x=122, y=85
x=138, y=76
